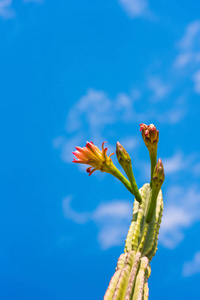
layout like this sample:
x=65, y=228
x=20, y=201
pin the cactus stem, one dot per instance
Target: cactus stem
x=133, y=276
x=134, y=186
x=153, y=159
x=124, y=277
x=122, y=178
x=143, y=277
x=146, y=291
x=152, y=206
x=125, y=161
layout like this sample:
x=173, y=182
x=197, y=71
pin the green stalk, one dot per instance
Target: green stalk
x=133, y=270
x=152, y=205
x=122, y=178
x=125, y=161
x=153, y=159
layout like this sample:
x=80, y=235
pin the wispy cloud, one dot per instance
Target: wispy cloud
x=97, y=110
x=196, y=169
x=130, y=143
x=112, y=219
x=188, y=58
x=181, y=211
x=176, y=163
x=135, y=8
x=6, y=11
x=192, y=267
x=182, y=163
x=69, y=213
x=95, y=116
x=158, y=88
x=66, y=146
x=196, y=80
x=191, y=34
x=189, y=50
x=92, y=118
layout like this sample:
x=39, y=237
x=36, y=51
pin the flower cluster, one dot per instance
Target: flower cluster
x=91, y=155
x=150, y=136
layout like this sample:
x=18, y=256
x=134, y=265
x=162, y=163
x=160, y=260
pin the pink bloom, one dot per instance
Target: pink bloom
x=91, y=155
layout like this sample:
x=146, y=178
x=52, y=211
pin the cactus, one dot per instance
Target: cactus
x=129, y=281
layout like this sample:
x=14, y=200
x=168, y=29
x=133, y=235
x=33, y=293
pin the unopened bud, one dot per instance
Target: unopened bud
x=158, y=174
x=122, y=155
x=150, y=136
x=157, y=181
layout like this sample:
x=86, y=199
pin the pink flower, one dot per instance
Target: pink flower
x=91, y=155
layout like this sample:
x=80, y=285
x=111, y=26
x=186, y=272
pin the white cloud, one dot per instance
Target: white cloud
x=196, y=169
x=67, y=146
x=92, y=118
x=136, y=94
x=111, y=210
x=97, y=110
x=196, y=79
x=190, y=36
x=181, y=163
x=135, y=8
x=112, y=219
x=69, y=213
x=175, y=163
x=192, y=267
x=189, y=50
x=159, y=88
x=6, y=11
x=174, y=220
x=174, y=114
x=181, y=211
x=130, y=143
x=97, y=117
x=188, y=57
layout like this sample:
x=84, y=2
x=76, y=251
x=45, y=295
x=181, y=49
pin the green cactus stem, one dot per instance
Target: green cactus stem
x=130, y=279
x=125, y=161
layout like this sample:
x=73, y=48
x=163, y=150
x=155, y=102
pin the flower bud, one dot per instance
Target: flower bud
x=122, y=156
x=150, y=136
x=158, y=174
x=157, y=181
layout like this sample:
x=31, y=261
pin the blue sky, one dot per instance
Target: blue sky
x=77, y=70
